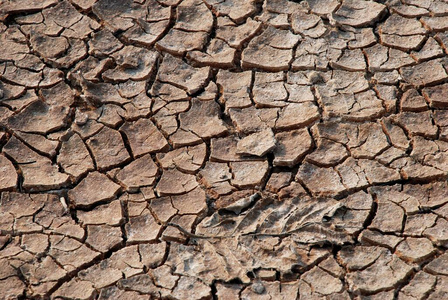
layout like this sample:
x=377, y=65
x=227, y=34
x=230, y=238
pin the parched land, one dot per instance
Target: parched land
x=223, y=149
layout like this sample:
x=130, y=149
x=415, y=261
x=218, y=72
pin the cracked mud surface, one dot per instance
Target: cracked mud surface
x=223, y=149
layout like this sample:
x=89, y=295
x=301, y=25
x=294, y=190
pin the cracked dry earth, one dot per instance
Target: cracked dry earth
x=223, y=149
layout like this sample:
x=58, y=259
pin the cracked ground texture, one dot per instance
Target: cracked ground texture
x=223, y=149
